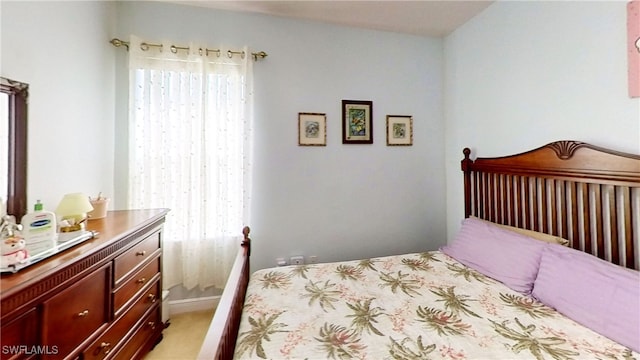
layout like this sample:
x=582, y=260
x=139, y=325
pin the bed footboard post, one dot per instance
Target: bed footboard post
x=466, y=168
x=220, y=341
x=246, y=242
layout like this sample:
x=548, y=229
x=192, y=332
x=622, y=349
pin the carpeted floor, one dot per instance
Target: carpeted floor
x=183, y=338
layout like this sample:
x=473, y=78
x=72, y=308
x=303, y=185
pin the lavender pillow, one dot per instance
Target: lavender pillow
x=599, y=295
x=504, y=255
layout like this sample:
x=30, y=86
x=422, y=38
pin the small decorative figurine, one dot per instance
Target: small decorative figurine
x=13, y=251
x=12, y=245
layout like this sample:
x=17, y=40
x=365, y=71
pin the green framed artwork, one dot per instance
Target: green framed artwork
x=357, y=127
x=399, y=130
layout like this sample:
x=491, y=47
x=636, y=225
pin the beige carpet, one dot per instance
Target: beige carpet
x=183, y=338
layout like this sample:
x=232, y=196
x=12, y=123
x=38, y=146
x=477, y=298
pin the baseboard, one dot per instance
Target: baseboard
x=190, y=305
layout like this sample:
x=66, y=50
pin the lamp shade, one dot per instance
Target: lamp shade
x=76, y=204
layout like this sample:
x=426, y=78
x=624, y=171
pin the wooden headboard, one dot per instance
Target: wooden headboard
x=583, y=193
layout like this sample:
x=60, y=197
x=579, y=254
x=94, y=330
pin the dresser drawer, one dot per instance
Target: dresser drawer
x=74, y=314
x=149, y=327
x=19, y=336
x=134, y=257
x=148, y=273
x=107, y=342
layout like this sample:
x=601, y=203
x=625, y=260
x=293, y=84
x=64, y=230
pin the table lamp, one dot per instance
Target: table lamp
x=72, y=212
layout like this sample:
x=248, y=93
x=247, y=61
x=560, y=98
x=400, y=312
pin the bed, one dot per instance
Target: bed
x=545, y=265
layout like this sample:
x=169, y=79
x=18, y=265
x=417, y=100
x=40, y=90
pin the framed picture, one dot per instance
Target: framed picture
x=357, y=127
x=633, y=35
x=312, y=129
x=399, y=130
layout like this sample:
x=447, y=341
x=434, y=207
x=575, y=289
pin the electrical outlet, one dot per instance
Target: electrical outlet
x=297, y=260
x=313, y=259
x=281, y=262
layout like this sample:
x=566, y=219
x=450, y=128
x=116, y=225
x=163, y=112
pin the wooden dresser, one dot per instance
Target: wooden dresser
x=100, y=299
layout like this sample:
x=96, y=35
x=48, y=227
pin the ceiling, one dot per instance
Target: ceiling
x=423, y=18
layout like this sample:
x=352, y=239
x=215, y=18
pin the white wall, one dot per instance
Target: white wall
x=523, y=74
x=61, y=50
x=339, y=201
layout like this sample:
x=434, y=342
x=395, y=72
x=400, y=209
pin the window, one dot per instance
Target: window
x=190, y=151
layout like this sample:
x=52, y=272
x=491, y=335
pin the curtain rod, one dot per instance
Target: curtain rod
x=174, y=49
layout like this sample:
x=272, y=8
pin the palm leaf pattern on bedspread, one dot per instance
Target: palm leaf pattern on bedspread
x=364, y=316
x=526, y=340
x=261, y=330
x=405, y=307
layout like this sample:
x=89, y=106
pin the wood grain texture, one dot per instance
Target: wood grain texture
x=580, y=191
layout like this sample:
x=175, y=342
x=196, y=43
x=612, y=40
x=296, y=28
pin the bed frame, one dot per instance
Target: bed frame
x=583, y=193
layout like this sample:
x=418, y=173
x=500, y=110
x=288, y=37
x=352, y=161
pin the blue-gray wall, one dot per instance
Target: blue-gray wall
x=518, y=75
x=340, y=201
x=525, y=73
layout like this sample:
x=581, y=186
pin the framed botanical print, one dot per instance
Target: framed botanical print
x=357, y=127
x=399, y=130
x=312, y=129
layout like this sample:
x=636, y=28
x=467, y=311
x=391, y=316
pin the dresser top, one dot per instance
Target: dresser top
x=117, y=225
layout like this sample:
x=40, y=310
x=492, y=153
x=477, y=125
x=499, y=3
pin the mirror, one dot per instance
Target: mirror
x=13, y=145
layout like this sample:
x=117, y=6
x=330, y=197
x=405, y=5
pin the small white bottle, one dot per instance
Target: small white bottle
x=39, y=230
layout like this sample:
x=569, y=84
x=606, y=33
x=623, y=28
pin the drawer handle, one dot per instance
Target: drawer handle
x=152, y=325
x=152, y=297
x=141, y=253
x=83, y=313
x=141, y=281
x=105, y=346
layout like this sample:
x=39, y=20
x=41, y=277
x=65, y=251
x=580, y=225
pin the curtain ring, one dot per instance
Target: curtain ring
x=200, y=51
x=144, y=46
x=231, y=53
x=174, y=49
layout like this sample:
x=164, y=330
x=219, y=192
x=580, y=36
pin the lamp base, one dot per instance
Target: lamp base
x=72, y=228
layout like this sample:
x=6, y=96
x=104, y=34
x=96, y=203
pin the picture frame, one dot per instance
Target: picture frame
x=312, y=129
x=399, y=130
x=357, y=127
x=633, y=47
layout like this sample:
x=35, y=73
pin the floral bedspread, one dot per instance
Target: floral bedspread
x=413, y=306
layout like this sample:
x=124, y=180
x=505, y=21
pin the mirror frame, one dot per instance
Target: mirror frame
x=17, y=147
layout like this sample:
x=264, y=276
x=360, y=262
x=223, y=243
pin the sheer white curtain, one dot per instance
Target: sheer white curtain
x=190, y=117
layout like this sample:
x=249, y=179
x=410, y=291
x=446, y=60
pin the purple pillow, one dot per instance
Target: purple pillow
x=504, y=255
x=599, y=295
